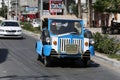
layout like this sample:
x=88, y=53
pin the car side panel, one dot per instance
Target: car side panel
x=47, y=50
x=39, y=47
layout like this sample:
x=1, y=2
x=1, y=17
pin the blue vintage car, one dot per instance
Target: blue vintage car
x=64, y=37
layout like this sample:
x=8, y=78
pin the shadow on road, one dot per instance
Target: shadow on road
x=78, y=64
x=72, y=64
x=5, y=38
x=3, y=55
x=33, y=77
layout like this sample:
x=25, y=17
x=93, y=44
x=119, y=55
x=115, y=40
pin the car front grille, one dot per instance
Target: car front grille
x=10, y=30
x=67, y=41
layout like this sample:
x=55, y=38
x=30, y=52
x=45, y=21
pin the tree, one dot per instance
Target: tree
x=107, y=6
x=3, y=12
x=114, y=6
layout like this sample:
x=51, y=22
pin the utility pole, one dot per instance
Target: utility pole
x=79, y=9
x=3, y=7
x=16, y=9
x=65, y=7
x=41, y=13
x=91, y=13
x=8, y=9
x=88, y=18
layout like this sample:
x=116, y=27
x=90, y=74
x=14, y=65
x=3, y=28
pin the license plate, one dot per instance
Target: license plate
x=71, y=49
x=10, y=33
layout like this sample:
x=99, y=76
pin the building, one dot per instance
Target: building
x=5, y=2
x=28, y=9
x=19, y=7
x=31, y=7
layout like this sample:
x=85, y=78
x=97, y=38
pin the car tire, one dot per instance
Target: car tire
x=47, y=61
x=86, y=62
x=39, y=58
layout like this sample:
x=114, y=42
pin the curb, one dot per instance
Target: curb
x=98, y=56
x=107, y=60
x=34, y=35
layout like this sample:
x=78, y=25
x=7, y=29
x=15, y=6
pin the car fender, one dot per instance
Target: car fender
x=39, y=47
x=47, y=50
x=92, y=51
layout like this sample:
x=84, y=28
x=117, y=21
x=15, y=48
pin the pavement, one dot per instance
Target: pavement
x=106, y=60
x=98, y=56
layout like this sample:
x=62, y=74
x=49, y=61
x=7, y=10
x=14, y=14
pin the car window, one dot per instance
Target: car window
x=62, y=27
x=88, y=34
x=9, y=24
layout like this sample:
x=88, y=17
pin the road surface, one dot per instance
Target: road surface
x=18, y=62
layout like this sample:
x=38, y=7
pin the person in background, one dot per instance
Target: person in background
x=112, y=22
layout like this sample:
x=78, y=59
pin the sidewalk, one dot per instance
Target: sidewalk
x=107, y=60
x=98, y=56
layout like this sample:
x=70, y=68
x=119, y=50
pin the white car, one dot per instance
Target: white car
x=35, y=23
x=10, y=28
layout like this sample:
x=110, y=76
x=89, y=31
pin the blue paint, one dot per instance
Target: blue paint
x=39, y=46
x=92, y=52
x=47, y=50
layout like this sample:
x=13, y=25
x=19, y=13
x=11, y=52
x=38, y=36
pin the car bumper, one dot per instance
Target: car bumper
x=74, y=55
x=66, y=55
x=12, y=35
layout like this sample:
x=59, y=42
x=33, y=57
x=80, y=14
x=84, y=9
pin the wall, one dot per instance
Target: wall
x=94, y=30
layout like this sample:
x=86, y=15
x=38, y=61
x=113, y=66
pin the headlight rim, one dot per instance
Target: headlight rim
x=48, y=40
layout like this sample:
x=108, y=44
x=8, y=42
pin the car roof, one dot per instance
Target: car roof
x=65, y=17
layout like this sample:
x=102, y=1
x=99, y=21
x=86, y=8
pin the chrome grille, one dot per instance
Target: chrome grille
x=10, y=30
x=65, y=41
x=79, y=43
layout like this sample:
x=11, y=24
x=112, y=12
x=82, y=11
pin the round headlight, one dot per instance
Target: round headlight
x=19, y=31
x=48, y=39
x=1, y=30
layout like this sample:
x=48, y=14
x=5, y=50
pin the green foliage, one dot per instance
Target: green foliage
x=105, y=44
x=75, y=9
x=98, y=39
x=29, y=27
x=101, y=5
x=3, y=12
x=107, y=6
x=115, y=56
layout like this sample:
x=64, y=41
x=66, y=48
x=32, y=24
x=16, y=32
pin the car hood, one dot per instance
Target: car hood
x=69, y=35
x=10, y=28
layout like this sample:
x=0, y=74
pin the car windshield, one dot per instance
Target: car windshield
x=62, y=27
x=15, y=24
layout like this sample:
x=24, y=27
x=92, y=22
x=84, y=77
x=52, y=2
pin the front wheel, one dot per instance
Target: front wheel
x=47, y=61
x=86, y=61
x=39, y=58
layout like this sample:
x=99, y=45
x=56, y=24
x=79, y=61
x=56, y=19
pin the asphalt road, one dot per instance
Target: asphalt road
x=18, y=62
